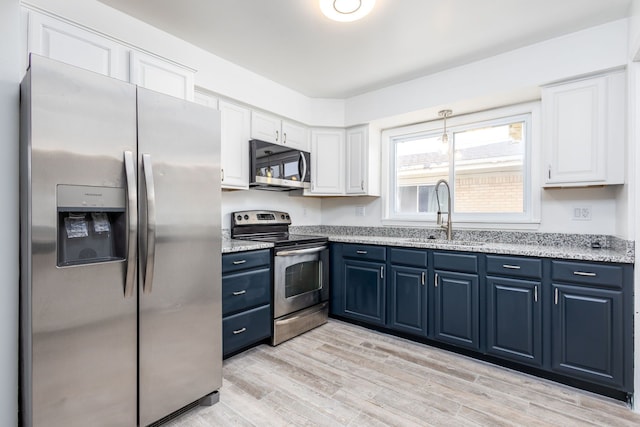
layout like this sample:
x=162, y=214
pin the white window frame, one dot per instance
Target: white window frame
x=529, y=219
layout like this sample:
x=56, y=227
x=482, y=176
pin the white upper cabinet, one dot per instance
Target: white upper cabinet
x=235, y=130
x=73, y=45
x=159, y=75
x=584, y=131
x=235, y=124
x=356, y=150
x=272, y=129
x=327, y=162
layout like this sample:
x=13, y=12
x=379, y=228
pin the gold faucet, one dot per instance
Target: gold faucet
x=446, y=226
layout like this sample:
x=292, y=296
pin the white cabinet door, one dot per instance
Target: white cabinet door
x=327, y=161
x=265, y=127
x=73, y=45
x=295, y=135
x=235, y=145
x=161, y=76
x=357, y=159
x=583, y=132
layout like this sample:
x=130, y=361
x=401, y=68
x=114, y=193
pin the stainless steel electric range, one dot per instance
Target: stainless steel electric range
x=300, y=271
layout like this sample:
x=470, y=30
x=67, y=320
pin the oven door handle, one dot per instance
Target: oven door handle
x=301, y=251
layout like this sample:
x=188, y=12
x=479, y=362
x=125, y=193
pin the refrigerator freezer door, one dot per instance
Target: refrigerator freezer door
x=78, y=327
x=180, y=357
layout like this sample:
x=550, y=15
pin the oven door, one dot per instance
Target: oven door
x=300, y=278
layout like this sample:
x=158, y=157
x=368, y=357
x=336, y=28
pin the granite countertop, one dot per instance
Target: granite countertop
x=547, y=245
x=232, y=245
x=563, y=252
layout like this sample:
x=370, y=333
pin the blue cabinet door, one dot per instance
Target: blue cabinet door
x=408, y=300
x=587, y=325
x=514, y=320
x=363, y=291
x=456, y=309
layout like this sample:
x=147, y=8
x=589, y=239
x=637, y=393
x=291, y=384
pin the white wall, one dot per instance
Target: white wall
x=303, y=210
x=9, y=101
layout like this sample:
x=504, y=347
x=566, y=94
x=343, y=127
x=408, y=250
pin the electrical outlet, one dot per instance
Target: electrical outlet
x=581, y=213
x=359, y=210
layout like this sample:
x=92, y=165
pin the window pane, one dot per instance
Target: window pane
x=419, y=164
x=489, y=169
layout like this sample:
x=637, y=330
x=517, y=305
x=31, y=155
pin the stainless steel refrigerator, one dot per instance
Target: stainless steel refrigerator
x=120, y=250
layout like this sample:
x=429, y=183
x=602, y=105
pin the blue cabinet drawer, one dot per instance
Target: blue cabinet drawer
x=243, y=260
x=365, y=252
x=610, y=276
x=246, y=328
x=246, y=289
x=455, y=262
x=408, y=257
x=514, y=266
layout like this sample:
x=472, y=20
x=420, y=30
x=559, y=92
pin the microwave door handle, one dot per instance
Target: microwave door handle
x=132, y=220
x=147, y=281
x=303, y=175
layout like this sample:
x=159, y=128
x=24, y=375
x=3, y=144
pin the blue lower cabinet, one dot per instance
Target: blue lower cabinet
x=245, y=328
x=587, y=328
x=457, y=309
x=364, y=291
x=408, y=300
x=514, y=320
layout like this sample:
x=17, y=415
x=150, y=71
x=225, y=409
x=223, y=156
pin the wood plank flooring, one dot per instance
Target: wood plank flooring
x=344, y=375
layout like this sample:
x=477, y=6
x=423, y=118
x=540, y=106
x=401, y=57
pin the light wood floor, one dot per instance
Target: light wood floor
x=344, y=375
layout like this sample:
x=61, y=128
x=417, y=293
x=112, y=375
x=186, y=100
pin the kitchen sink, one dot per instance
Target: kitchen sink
x=441, y=242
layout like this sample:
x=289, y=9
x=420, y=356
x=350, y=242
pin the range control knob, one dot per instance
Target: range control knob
x=281, y=216
x=239, y=218
x=246, y=217
x=288, y=217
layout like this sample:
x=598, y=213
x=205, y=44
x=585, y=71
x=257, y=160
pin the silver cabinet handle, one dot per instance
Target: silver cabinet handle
x=238, y=293
x=512, y=267
x=549, y=170
x=147, y=283
x=301, y=251
x=239, y=331
x=284, y=137
x=436, y=280
x=362, y=185
x=222, y=175
x=277, y=135
x=132, y=219
x=361, y=252
x=584, y=273
x=535, y=293
x=555, y=297
x=422, y=280
x=382, y=272
x=240, y=261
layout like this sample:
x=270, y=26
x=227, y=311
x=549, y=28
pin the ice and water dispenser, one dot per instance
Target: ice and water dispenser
x=91, y=224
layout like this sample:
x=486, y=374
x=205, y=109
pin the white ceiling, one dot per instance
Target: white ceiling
x=292, y=43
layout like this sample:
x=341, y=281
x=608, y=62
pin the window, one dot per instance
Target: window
x=486, y=160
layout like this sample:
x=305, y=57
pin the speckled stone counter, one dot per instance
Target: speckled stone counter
x=548, y=245
x=233, y=245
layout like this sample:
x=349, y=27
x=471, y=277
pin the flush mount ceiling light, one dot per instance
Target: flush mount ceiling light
x=346, y=10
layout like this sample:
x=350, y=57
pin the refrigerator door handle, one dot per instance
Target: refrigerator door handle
x=132, y=219
x=147, y=281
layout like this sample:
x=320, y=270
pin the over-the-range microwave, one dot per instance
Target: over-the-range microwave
x=278, y=167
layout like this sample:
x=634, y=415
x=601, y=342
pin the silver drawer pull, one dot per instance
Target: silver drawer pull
x=239, y=331
x=512, y=267
x=242, y=292
x=240, y=261
x=584, y=273
x=361, y=252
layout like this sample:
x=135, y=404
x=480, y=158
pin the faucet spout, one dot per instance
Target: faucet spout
x=448, y=225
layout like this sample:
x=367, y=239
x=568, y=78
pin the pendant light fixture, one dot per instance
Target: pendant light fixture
x=346, y=10
x=444, y=114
